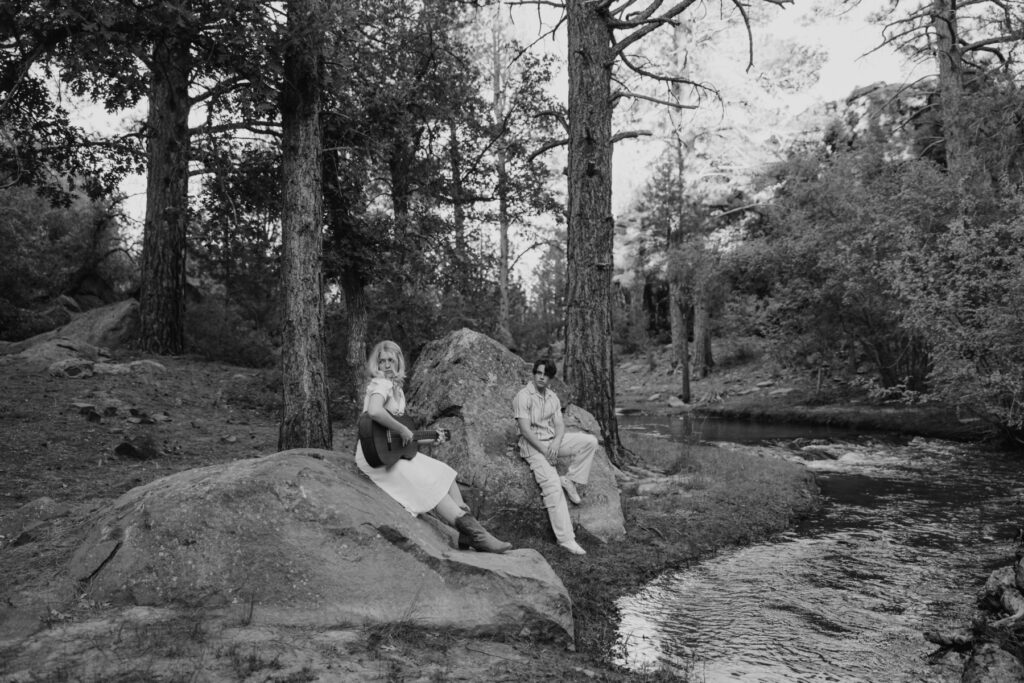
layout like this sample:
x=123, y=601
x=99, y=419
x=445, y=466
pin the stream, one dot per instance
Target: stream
x=907, y=536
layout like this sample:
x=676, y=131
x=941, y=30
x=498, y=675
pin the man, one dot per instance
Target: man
x=538, y=413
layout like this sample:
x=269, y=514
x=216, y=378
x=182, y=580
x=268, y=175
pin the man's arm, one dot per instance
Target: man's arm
x=527, y=431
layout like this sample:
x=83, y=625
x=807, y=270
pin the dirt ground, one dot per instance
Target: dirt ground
x=69, y=445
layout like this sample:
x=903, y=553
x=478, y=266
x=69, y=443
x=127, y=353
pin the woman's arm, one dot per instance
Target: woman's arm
x=376, y=410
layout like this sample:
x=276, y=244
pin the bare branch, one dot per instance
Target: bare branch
x=645, y=25
x=271, y=128
x=656, y=100
x=524, y=252
x=627, y=134
x=996, y=40
x=547, y=147
x=659, y=77
x=545, y=34
x=555, y=114
x=738, y=209
x=220, y=88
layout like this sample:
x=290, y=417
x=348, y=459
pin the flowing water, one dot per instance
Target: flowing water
x=908, y=534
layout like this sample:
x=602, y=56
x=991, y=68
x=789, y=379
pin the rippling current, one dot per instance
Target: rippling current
x=907, y=537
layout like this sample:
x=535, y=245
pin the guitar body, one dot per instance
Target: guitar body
x=383, y=448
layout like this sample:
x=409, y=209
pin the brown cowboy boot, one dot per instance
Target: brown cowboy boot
x=472, y=534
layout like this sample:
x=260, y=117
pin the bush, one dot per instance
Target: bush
x=49, y=250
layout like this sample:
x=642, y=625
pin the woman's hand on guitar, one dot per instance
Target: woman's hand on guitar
x=406, y=435
x=442, y=435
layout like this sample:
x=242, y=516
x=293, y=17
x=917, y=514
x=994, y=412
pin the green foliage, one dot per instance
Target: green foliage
x=966, y=293
x=49, y=248
x=828, y=236
x=868, y=256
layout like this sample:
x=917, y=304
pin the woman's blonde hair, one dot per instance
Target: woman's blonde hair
x=371, y=363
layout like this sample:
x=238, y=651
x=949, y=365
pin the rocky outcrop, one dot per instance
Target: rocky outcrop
x=301, y=538
x=465, y=382
x=104, y=328
x=987, y=662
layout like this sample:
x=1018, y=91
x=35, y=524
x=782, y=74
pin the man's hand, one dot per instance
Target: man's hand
x=553, y=448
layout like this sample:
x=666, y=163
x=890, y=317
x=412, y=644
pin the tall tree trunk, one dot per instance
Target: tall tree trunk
x=358, y=317
x=504, y=327
x=951, y=85
x=162, y=291
x=458, y=194
x=702, y=358
x=678, y=308
x=357, y=310
x=306, y=421
x=589, y=356
x=400, y=171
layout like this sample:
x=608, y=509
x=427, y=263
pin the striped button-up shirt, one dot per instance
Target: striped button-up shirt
x=538, y=409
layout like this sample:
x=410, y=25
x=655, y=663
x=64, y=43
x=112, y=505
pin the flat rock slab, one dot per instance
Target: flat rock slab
x=302, y=538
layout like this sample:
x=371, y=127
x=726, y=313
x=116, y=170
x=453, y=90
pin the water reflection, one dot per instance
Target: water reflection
x=907, y=537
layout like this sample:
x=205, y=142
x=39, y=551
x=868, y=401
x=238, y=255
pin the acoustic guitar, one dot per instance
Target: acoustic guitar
x=383, y=447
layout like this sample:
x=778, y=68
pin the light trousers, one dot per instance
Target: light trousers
x=582, y=447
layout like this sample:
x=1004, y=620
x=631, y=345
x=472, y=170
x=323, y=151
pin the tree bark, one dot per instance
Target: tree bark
x=951, y=85
x=589, y=362
x=680, y=327
x=162, y=287
x=702, y=358
x=458, y=194
x=356, y=308
x=306, y=421
x=503, y=331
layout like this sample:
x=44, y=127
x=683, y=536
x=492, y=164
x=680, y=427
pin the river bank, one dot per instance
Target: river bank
x=758, y=390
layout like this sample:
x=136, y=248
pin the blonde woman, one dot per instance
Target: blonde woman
x=421, y=483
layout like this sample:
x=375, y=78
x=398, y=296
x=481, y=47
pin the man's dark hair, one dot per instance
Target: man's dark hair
x=549, y=367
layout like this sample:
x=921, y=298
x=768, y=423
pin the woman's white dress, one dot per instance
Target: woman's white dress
x=418, y=484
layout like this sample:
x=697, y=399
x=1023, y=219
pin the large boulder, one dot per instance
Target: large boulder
x=108, y=328
x=302, y=538
x=465, y=382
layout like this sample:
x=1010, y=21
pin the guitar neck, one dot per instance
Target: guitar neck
x=425, y=435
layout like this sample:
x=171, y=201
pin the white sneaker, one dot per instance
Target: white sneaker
x=570, y=490
x=573, y=547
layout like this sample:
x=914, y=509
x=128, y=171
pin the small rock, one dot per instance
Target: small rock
x=144, y=450
x=90, y=413
x=74, y=368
